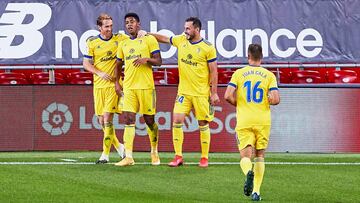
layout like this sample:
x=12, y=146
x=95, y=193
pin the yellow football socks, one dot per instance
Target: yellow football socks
x=115, y=141
x=205, y=140
x=108, y=137
x=178, y=138
x=129, y=134
x=153, y=132
x=259, y=169
x=246, y=165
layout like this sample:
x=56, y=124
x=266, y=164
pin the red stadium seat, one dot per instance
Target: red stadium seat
x=80, y=78
x=306, y=77
x=43, y=78
x=284, y=76
x=171, y=78
x=173, y=71
x=10, y=78
x=322, y=71
x=159, y=77
x=224, y=77
x=342, y=76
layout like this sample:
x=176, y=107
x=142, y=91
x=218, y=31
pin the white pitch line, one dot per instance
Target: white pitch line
x=186, y=163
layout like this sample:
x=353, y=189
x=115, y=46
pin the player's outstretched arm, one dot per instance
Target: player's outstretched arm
x=274, y=97
x=229, y=95
x=160, y=38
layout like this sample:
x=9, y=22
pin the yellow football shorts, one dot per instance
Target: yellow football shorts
x=201, y=105
x=256, y=136
x=106, y=100
x=141, y=101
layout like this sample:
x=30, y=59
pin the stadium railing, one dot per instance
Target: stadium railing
x=288, y=74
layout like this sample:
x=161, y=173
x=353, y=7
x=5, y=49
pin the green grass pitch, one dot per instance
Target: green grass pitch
x=38, y=179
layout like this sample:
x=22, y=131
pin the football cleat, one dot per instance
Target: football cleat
x=177, y=161
x=103, y=161
x=155, y=159
x=203, y=162
x=126, y=162
x=255, y=197
x=249, y=183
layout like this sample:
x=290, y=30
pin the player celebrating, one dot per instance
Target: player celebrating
x=197, y=87
x=252, y=89
x=101, y=61
x=139, y=55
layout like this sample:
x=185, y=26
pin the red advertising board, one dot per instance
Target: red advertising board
x=62, y=118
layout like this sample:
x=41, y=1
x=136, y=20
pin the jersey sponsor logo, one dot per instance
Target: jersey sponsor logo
x=133, y=57
x=189, y=62
x=56, y=119
x=18, y=37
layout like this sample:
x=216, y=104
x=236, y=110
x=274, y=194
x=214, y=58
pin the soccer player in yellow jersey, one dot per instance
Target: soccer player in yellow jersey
x=138, y=55
x=100, y=60
x=252, y=90
x=197, y=87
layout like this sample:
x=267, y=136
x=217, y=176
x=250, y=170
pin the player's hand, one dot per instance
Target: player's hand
x=105, y=76
x=118, y=89
x=141, y=33
x=214, y=99
x=140, y=61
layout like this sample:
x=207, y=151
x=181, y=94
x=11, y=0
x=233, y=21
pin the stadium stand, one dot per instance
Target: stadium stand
x=10, y=78
x=43, y=78
x=80, y=78
x=306, y=77
x=342, y=76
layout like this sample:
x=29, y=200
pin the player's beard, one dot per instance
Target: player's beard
x=189, y=37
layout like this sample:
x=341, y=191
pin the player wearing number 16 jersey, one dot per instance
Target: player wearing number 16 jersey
x=252, y=90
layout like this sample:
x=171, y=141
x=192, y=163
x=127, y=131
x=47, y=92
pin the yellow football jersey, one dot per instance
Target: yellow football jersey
x=193, y=59
x=252, y=86
x=103, y=54
x=129, y=50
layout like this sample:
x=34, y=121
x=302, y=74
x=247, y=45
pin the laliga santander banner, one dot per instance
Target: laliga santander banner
x=55, y=32
x=67, y=122
x=62, y=118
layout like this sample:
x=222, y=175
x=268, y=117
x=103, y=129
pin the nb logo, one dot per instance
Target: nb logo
x=56, y=119
x=19, y=29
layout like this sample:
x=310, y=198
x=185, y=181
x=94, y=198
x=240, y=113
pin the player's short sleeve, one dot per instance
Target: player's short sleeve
x=120, y=52
x=122, y=37
x=177, y=39
x=89, y=54
x=272, y=82
x=211, y=54
x=234, y=80
x=153, y=44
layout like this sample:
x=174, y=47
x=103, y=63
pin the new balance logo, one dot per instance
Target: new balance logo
x=18, y=37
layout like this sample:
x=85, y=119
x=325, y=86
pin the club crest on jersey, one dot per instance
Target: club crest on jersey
x=189, y=56
x=109, y=53
x=132, y=50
